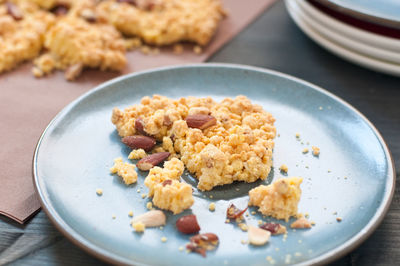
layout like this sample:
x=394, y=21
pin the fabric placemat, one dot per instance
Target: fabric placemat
x=27, y=105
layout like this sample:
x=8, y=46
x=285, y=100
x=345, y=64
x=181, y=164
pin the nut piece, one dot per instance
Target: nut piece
x=60, y=9
x=14, y=11
x=258, y=236
x=301, y=223
x=139, y=142
x=73, y=71
x=88, y=15
x=188, y=224
x=233, y=212
x=151, y=218
x=273, y=228
x=202, y=242
x=200, y=121
x=152, y=160
x=139, y=126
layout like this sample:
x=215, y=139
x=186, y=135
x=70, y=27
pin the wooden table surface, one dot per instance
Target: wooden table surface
x=274, y=42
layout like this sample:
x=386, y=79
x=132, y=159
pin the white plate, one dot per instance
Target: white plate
x=362, y=36
x=346, y=41
x=368, y=62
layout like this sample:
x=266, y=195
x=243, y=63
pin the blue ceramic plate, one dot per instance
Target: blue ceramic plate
x=386, y=9
x=353, y=178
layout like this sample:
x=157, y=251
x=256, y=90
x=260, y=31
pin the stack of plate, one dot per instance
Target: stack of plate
x=376, y=46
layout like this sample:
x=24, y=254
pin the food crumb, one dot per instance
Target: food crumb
x=163, y=239
x=138, y=191
x=305, y=150
x=312, y=223
x=253, y=212
x=339, y=219
x=144, y=195
x=149, y=205
x=181, y=248
x=297, y=254
x=243, y=227
x=211, y=196
x=270, y=260
x=99, y=191
x=320, y=108
x=329, y=171
x=197, y=49
x=284, y=168
x=178, y=49
x=161, y=227
x=297, y=135
x=130, y=213
x=113, y=216
x=315, y=151
x=237, y=189
x=145, y=49
x=211, y=207
x=259, y=222
x=244, y=242
x=227, y=221
x=138, y=227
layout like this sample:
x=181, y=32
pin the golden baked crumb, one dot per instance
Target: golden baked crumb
x=137, y=154
x=305, y=150
x=279, y=200
x=172, y=170
x=138, y=226
x=238, y=148
x=74, y=43
x=315, y=151
x=99, y=191
x=175, y=196
x=163, y=239
x=130, y=213
x=243, y=227
x=165, y=21
x=124, y=170
x=149, y=205
x=21, y=37
x=211, y=207
x=284, y=168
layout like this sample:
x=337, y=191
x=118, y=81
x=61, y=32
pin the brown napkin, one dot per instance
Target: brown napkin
x=27, y=105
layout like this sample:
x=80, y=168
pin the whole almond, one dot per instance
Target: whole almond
x=151, y=218
x=188, y=224
x=139, y=142
x=152, y=160
x=258, y=236
x=200, y=121
x=139, y=126
x=14, y=11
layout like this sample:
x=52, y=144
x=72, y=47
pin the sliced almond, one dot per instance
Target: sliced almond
x=200, y=121
x=139, y=142
x=152, y=160
x=14, y=11
x=151, y=218
x=301, y=223
x=258, y=236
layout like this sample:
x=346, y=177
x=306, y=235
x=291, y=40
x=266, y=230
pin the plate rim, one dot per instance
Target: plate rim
x=110, y=257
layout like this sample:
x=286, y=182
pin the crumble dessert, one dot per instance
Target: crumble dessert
x=279, y=200
x=22, y=29
x=218, y=142
x=163, y=22
x=124, y=170
x=74, y=43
